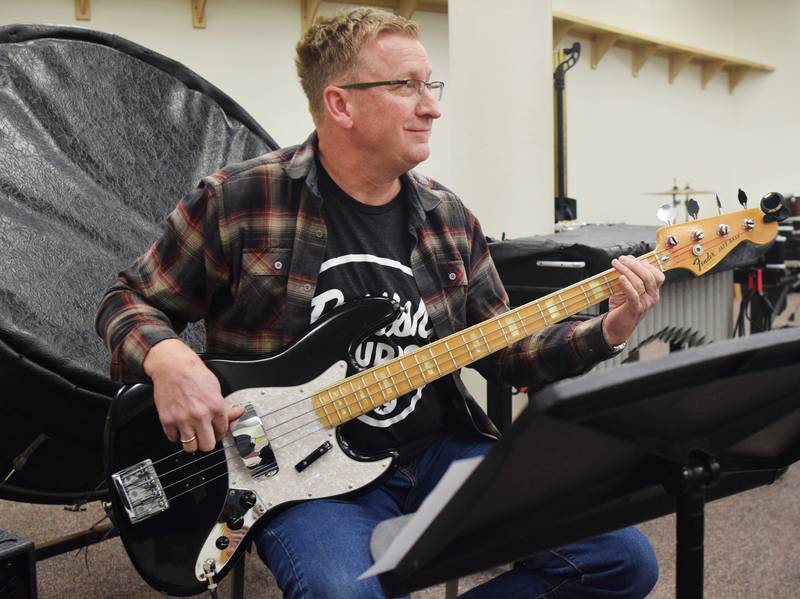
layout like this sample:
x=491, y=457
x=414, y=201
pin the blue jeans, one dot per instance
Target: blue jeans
x=317, y=549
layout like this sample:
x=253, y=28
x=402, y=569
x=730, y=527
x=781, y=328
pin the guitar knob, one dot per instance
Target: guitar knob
x=749, y=224
x=222, y=542
x=697, y=235
x=723, y=230
x=234, y=521
x=672, y=241
x=247, y=500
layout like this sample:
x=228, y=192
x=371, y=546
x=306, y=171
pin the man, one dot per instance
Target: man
x=263, y=248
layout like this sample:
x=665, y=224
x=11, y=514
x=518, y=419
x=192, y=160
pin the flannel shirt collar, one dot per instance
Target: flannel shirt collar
x=304, y=165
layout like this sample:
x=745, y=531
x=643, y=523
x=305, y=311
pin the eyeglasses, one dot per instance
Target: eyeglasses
x=408, y=86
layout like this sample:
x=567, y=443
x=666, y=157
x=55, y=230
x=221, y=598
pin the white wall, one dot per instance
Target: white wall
x=247, y=50
x=626, y=135
x=630, y=135
x=502, y=140
x=768, y=124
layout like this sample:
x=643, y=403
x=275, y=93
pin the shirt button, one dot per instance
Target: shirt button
x=452, y=276
x=319, y=233
x=307, y=287
x=278, y=265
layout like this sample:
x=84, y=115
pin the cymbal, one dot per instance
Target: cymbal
x=686, y=191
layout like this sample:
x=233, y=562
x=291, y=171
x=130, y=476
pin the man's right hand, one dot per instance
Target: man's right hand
x=188, y=396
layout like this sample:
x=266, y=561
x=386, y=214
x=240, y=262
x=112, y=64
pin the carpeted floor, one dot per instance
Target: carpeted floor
x=750, y=552
x=751, y=541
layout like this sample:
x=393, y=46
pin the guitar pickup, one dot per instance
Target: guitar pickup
x=140, y=490
x=252, y=444
x=313, y=456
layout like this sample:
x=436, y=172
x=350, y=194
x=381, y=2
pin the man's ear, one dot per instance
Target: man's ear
x=336, y=106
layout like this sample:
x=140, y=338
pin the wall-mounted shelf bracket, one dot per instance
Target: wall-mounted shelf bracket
x=198, y=14
x=710, y=69
x=560, y=30
x=641, y=54
x=83, y=10
x=677, y=62
x=735, y=75
x=600, y=45
x=406, y=8
x=308, y=12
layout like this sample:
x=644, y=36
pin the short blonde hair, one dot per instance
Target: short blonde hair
x=331, y=46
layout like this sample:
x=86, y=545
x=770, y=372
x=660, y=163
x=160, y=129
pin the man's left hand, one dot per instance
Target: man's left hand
x=640, y=283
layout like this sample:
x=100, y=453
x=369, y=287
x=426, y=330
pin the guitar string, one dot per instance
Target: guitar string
x=265, y=468
x=459, y=344
x=498, y=334
x=650, y=257
x=488, y=340
x=255, y=472
x=377, y=381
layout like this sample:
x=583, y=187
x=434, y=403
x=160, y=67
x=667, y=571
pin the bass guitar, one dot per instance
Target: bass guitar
x=184, y=518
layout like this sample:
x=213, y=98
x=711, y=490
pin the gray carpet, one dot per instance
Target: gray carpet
x=751, y=541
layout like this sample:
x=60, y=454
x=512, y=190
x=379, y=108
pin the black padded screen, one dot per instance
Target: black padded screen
x=99, y=137
x=96, y=146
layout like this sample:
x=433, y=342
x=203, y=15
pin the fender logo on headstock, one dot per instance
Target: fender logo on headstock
x=701, y=261
x=704, y=259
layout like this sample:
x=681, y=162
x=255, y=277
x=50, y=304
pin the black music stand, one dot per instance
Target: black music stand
x=615, y=448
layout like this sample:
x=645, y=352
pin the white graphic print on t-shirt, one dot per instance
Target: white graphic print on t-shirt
x=406, y=333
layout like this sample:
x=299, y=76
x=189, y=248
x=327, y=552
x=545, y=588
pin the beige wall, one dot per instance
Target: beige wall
x=626, y=135
x=502, y=135
x=767, y=133
x=247, y=50
x=630, y=135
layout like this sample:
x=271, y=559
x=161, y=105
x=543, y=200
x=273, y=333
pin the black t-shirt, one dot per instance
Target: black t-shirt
x=368, y=253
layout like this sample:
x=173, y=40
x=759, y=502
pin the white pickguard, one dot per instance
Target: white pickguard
x=295, y=431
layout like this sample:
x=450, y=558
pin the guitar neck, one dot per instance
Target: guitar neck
x=367, y=390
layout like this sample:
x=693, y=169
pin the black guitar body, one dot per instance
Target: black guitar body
x=165, y=547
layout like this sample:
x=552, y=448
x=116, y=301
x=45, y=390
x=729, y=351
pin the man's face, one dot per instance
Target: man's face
x=393, y=122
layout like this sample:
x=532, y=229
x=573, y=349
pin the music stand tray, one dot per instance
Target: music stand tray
x=612, y=449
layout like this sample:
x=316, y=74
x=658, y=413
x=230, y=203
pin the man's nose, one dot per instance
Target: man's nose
x=429, y=105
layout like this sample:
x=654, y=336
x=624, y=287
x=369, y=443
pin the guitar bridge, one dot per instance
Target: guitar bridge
x=252, y=444
x=140, y=491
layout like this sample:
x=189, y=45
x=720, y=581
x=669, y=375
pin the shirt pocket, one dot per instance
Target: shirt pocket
x=270, y=262
x=263, y=281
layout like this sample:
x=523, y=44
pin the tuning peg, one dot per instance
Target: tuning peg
x=719, y=204
x=774, y=207
x=666, y=214
x=692, y=208
x=742, y=198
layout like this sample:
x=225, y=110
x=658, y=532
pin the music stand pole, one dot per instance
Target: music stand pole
x=689, y=482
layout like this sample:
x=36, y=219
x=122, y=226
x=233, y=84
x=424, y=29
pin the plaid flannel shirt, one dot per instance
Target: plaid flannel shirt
x=243, y=252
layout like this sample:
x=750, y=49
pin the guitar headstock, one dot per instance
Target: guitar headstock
x=700, y=245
